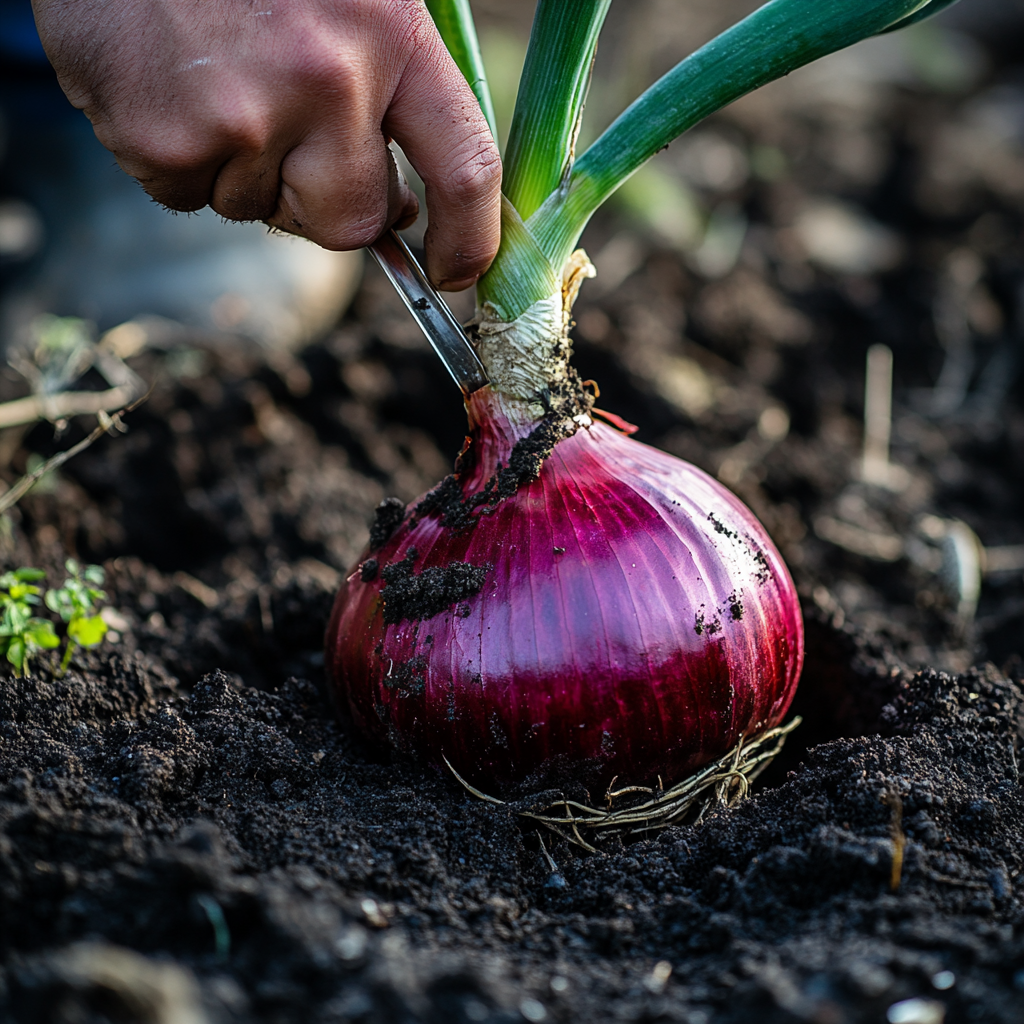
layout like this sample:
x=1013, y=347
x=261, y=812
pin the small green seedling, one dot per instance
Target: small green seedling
x=21, y=633
x=77, y=604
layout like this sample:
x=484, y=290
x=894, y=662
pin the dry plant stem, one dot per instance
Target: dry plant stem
x=877, y=414
x=899, y=839
x=63, y=406
x=723, y=782
x=126, y=387
x=107, y=423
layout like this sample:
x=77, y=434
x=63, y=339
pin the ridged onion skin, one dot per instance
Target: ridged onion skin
x=634, y=620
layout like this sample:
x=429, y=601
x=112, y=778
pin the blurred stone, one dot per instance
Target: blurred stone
x=135, y=987
x=707, y=159
x=840, y=238
x=21, y=230
x=916, y=1011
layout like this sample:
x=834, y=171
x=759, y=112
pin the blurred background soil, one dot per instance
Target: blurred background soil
x=187, y=834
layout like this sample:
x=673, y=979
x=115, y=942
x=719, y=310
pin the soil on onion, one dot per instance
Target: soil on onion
x=187, y=833
x=457, y=510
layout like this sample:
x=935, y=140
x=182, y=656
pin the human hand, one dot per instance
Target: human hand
x=281, y=111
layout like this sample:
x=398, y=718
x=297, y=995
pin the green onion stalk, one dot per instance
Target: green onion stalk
x=551, y=192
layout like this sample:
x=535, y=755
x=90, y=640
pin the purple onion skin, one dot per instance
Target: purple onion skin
x=666, y=629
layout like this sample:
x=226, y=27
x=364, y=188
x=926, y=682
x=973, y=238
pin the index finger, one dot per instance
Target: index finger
x=437, y=121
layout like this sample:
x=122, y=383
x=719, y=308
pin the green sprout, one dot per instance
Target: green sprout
x=76, y=602
x=21, y=633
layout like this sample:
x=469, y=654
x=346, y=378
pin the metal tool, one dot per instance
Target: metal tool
x=431, y=312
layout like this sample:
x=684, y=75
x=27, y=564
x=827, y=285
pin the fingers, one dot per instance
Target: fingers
x=437, y=121
x=174, y=167
x=333, y=181
x=286, y=122
x=227, y=157
x=342, y=193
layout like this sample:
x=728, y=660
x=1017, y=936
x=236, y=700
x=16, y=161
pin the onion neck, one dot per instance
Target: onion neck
x=497, y=421
x=534, y=401
x=527, y=358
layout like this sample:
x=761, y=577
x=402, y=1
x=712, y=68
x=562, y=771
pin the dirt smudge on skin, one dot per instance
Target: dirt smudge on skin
x=420, y=595
x=387, y=518
x=456, y=510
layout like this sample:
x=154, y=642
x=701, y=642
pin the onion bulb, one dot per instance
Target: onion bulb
x=569, y=597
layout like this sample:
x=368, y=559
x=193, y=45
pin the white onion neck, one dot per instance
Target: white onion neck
x=528, y=358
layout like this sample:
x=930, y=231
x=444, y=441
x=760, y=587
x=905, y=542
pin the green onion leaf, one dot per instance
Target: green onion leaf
x=552, y=92
x=454, y=21
x=773, y=41
x=520, y=274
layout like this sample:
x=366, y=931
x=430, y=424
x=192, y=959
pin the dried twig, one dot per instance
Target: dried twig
x=106, y=357
x=64, y=405
x=875, y=465
x=107, y=423
x=725, y=782
x=899, y=838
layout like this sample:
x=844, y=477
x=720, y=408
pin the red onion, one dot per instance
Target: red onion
x=620, y=610
x=570, y=596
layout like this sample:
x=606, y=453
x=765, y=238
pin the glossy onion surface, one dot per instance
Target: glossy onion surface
x=634, y=614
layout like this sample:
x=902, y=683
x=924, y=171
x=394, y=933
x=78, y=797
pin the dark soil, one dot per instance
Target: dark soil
x=187, y=834
x=421, y=595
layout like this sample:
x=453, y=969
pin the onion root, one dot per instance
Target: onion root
x=724, y=783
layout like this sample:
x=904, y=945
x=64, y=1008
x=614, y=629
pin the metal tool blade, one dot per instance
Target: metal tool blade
x=431, y=312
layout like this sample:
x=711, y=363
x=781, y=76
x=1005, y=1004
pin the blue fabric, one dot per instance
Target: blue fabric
x=18, y=37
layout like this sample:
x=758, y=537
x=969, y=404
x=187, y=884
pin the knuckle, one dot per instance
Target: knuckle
x=352, y=234
x=476, y=173
x=326, y=73
x=246, y=131
x=165, y=153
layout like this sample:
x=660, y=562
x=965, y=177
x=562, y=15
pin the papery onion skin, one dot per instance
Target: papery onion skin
x=635, y=619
